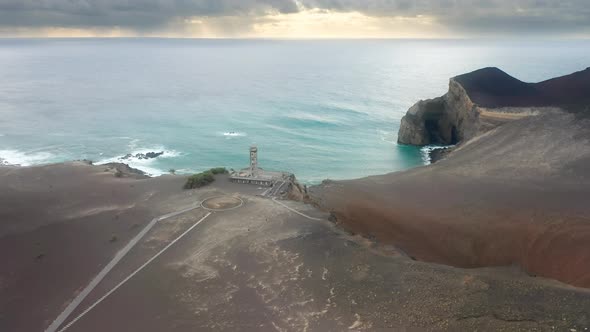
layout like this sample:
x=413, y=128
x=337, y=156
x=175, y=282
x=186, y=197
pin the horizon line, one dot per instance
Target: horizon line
x=304, y=38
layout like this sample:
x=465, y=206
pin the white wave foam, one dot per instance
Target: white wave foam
x=133, y=144
x=186, y=171
x=145, y=165
x=425, y=151
x=234, y=134
x=150, y=171
x=15, y=157
x=314, y=117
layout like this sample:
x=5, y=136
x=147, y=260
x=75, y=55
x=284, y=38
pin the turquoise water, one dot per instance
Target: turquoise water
x=320, y=109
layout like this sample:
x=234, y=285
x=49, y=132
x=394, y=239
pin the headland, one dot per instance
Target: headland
x=512, y=192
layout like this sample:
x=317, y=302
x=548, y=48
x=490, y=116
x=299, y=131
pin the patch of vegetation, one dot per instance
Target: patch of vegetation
x=202, y=179
x=199, y=180
x=219, y=170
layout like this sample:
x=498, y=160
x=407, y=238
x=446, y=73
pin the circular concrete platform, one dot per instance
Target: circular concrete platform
x=221, y=203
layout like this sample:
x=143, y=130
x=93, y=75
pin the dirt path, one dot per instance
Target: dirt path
x=100, y=276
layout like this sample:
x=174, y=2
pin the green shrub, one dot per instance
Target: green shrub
x=218, y=170
x=199, y=180
x=202, y=179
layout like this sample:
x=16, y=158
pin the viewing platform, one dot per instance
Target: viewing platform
x=257, y=176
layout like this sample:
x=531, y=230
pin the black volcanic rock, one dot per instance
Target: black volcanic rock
x=491, y=87
x=142, y=156
x=571, y=92
x=124, y=170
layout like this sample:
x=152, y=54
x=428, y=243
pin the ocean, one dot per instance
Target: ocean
x=322, y=109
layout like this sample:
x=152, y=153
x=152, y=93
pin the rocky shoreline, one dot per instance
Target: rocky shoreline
x=119, y=168
x=439, y=153
x=143, y=156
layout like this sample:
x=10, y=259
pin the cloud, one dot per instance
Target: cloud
x=247, y=17
x=479, y=16
x=128, y=13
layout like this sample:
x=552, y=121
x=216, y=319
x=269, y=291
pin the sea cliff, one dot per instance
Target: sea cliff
x=485, y=99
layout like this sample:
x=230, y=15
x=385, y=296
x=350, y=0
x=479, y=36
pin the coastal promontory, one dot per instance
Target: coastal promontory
x=513, y=192
x=479, y=101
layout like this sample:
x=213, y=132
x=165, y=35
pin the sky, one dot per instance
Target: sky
x=296, y=18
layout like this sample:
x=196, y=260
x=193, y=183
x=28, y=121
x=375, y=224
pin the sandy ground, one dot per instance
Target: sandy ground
x=256, y=267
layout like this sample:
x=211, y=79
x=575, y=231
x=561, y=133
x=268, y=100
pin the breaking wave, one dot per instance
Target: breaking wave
x=15, y=157
x=426, y=150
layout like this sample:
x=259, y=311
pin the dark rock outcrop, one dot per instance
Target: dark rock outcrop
x=124, y=170
x=439, y=154
x=143, y=156
x=445, y=120
x=481, y=100
x=5, y=163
